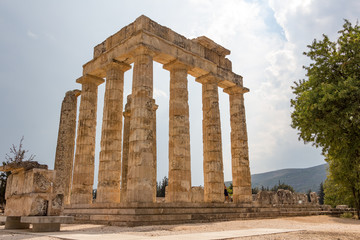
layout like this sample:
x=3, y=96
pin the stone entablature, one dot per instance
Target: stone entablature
x=201, y=54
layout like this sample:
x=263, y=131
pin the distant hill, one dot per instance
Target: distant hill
x=301, y=179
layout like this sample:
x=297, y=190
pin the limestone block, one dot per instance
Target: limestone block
x=56, y=205
x=267, y=197
x=33, y=204
x=31, y=181
x=314, y=199
x=197, y=194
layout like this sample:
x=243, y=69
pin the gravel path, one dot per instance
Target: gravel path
x=312, y=227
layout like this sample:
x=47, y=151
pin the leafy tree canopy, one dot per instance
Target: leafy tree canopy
x=327, y=105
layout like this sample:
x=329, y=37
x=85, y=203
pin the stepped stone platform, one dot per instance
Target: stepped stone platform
x=140, y=214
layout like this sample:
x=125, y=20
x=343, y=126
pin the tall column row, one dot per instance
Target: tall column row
x=127, y=163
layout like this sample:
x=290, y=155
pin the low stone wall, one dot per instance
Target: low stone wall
x=285, y=197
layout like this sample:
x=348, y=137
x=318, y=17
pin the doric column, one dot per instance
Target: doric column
x=179, y=189
x=141, y=157
x=83, y=176
x=155, y=107
x=241, y=177
x=64, y=156
x=125, y=153
x=108, y=189
x=212, y=145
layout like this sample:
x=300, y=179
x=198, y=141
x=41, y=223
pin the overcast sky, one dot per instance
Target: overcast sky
x=43, y=45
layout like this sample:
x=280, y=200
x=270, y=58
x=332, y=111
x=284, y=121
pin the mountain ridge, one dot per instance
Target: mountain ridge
x=301, y=179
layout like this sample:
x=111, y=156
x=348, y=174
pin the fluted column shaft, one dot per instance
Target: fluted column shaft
x=108, y=189
x=179, y=189
x=64, y=156
x=241, y=176
x=125, y=153
x=83, y=176
x=212, y=145
x=140, y=169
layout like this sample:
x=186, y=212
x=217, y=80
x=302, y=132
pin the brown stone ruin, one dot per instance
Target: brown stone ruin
x=127, y=162
x=126, y=187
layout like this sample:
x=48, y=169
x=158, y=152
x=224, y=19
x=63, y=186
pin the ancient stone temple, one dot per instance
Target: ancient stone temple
x=127, y=162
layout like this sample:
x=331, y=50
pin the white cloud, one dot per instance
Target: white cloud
x=32, y=35
x=159, y=93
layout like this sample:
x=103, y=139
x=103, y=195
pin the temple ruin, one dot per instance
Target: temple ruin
x=126, y=187
x=127, y=162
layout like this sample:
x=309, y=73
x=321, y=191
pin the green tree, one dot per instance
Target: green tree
x=335, y=194
x=282, y=186
x=160, y=187
x=321, y=194
x=230, y=189
x=255, y=190
x=327, y=106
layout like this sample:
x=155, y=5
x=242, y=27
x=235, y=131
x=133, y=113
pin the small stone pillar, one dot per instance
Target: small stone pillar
x=108, y=189
x=83, y=176
x=241, y=177
x=141, y=157
x=64, y=156
x=125, y=153
x=179, y=189
x=212, y=145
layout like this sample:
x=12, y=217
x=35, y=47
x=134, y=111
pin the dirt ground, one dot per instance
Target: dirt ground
x=311, y=227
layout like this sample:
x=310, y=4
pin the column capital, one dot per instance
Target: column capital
x=208, y=78
x=87, y=78
x=176, y=65
x=236, y=90
x=114, y=64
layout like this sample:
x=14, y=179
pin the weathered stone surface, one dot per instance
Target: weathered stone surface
x=22, y=166
x=239, y=146
x=212, y=145
x=30, y=193
x=125, y=156
x=154, y=169
x=201, y=54
x=197, y=194
x=64, y=156
x=179, y=188
x=140, y=184
x=282, y=197
x=83, y=176
x=108, y=189
x=32, y=204
x=314, y=199
x=31, y=181
x=141, y=43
